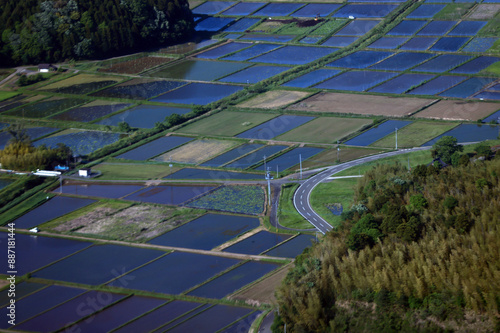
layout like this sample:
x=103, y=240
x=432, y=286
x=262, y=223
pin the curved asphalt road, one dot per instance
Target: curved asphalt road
x=302, y=195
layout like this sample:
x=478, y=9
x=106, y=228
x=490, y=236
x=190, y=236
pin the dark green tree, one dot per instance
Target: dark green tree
x=445, y=147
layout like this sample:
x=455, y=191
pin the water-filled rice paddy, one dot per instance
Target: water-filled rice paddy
x=168, y=195
x=339, y=41
x=402, y=61
x=213, y=24
x=469, y=133
x=313, y=9
x=212, y=7
x=479, y=44
x=449, y=44
x=241, y=25
x=436, y=28
x=364, y=11
x=251, y=52
x=355, y=80
x=45, y=108
x=388, y=42
x=199, y=70
x=407, y=28
x=442, y=63
x=258, y=243
x=360, y=59
x=426, y=11
x=5, y=182
x=278, y=9
x=32, y=132
x=275, y=127
x=243, y=8
x=378, y=132
x=290, y=158
x=191, y=173
x=198, y=93
x=488, y=95
x=234, y=279
x=90, y=112
x=311, y=78
x=222, y=50
x=294, y=55
x=493, y=117
x=22, y=289
x=243, y=324
x=232, y=154
x=419, y=43
x=437, y=85
x=207, y=232
x=83, y=267
x=143, y=116
x=176, y=272
x=139, y=89
x=81, y=84
x=467, y=28
x=468, y=87
x=110, y=190
x=402, y=83
x=253, y=158
x=357, y=28
x=254, y=74
x=154, y=148
x=311, y=40
x=476, y=65
x=268, y=38
x=81, y=142
x=34, y=252
x=293, y=247
x=53, y=208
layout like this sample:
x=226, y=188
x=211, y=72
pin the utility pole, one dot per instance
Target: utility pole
x=396, y=138
x=268, y=178
x=300, y=162
x=338, y=151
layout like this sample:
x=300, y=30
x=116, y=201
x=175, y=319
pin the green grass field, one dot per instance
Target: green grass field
x=328, y=27
x=414, y=135
x=493, y=69
x=287, y=214
x=293, y=29
x=132, y=171
x=492, y=28
x=329, y=157
x=453, y=11
x=325, y=130
x=7, y=94
x=226, y=123
x=337, y=191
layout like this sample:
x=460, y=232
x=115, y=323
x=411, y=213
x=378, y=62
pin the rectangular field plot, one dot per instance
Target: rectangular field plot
x=437, y=85
x=340, y=41
x=191, y=173
x=83, y=268
x=294, y=55
x=234, y=279
x=135, y=66
x=139, y=89
x=357, y=28
x=222, y=50
x=407, y=28
x=469, y=133
x=492, y=118
x=278, y=9
x=476, y=65
x=212, y=7
x=196, y=151
x=449, y=44
x=198, y=93
x=355, y=80
x=232, y=155
x=91, y=111
x=419, y=43
x=176, y=272
x=493, y=95
x=243, y=8
x=360, y=59
x=425, y=11
x=292, y=247
x=361, y=104
x=467, y=88
x=414, y=135
x=290, y=158
x=251, y=52
x=255, y=157
x=402, y=61
x=402, y=83
x=82, y=84
x=35, y=253
x=254, y=74
x=311, y=78
x=154, y=148
x=365, y=11
x=22, y=289
x=46, y=107
x=388, y=42
x=257, y=243
x=226, y=123
x=33, y=133
x=234, y=199
x=268, y=38
x=213, y=24
x=199, y=70
x=143, y=116
x=52, y=209
x=207, y=232
x=241, y=25
x=274, y=127
x=98, y=190
x=273, y=99
x=458, y=110
x=325, y=130
x=442, y=63
x=467, y=28
x=436, y=28
x=313, y=9
x=378, y=132
x=479, y=44
x=168, y=195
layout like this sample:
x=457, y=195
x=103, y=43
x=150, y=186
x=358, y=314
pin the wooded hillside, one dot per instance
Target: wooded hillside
x=35, y=31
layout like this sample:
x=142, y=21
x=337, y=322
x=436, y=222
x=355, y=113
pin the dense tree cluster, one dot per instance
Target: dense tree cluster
x=35, y=31
x=419, y=250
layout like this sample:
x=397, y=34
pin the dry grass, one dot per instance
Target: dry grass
x=136, y=65
x=458, y=110
x=329, y=157
x=484, y=11
x=274, y=99
x=197, y=151
x=80, y=79
x=362, y=104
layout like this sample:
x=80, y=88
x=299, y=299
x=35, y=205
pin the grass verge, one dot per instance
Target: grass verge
x=287, y=214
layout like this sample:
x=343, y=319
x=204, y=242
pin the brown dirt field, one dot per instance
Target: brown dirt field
x=135, y=66
x=458, y=110
x=197, y=151
x=362, y=104
x=274, y=99
x=263, y=291
x=484, y=12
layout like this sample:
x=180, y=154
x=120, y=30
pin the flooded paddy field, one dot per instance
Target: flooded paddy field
x=153, y=148
x=258, y=243
x=191, y=173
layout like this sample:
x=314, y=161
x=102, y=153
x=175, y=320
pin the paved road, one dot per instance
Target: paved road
x=301, y=198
